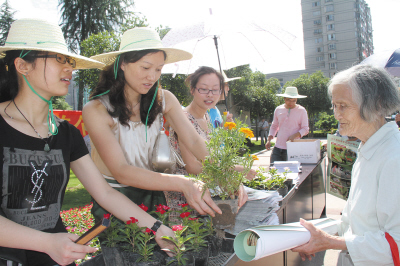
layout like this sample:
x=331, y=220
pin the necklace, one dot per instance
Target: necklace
x=46, y=145
x=136, y=104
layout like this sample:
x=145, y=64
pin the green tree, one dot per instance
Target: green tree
x=81, y=18
x=326, y=122
x=315, y=87
x=177, y=86
x=96, y=44
x=6, y=19
x=59, y=103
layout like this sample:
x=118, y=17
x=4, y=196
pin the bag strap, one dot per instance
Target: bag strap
x=393, y=248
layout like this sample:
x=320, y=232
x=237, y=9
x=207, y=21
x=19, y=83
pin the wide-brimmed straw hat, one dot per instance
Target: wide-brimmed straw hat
x=226, y=79
x=291, y=92
x=142, y=38
x=41, y=35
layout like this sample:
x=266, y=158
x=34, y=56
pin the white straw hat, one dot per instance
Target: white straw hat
x=291, y=92
x=41, y=35
x=226, y=79
x=142, y=38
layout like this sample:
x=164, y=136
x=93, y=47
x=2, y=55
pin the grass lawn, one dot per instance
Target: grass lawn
x=76, y=195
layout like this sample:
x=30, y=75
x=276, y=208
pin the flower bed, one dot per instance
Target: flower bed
x=79, y=220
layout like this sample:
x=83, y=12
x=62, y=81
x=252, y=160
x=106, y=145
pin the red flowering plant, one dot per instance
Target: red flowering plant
x=162, y=211
x=199, y=228
x=179, y=241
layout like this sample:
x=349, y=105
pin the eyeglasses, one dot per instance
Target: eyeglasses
x=62, y=59
x=206, y=91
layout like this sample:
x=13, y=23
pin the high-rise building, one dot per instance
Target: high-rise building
x=337, y=35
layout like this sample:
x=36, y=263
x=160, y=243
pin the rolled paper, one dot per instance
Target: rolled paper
x=261, y=241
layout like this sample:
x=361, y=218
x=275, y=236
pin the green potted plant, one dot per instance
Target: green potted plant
x=219, y=168
x=179, y=250
x=270, y=181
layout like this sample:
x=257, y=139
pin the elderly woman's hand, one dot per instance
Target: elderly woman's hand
x=319, y=241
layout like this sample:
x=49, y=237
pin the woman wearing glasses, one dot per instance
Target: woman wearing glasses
x=205, y=87
x=37, y=151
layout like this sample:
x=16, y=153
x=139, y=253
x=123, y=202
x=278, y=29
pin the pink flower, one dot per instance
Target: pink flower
x=184, y=214
x=178, y=227
x=143, y=207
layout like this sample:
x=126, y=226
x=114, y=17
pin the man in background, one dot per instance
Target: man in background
x=290, y=122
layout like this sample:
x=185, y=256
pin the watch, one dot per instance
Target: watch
x=156, y=225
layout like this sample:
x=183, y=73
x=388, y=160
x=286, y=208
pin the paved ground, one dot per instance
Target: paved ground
x=334, y=207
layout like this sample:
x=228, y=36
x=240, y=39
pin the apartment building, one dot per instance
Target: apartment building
x=337, y=34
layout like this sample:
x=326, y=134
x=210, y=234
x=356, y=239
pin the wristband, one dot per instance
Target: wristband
x=156, y=225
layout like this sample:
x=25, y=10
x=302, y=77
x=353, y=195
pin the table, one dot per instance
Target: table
x=307, y=200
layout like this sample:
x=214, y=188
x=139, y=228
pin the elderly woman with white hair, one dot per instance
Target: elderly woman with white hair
x=361, y=97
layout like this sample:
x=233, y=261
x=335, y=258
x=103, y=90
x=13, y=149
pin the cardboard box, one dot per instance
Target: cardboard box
x=304, y=150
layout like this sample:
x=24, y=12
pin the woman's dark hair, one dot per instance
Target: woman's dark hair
x=8, y=73
x=117, y=95
x=192, y=80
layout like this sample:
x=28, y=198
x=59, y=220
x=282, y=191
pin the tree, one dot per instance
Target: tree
x=315, y=87
x=81, y=18
x=60, y=103
x=6, y=19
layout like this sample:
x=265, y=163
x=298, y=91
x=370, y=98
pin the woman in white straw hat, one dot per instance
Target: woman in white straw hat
x=125, y=117
x=38, y=150
x=290, y=122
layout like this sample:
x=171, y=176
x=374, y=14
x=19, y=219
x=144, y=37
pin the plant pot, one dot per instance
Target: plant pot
x=112, y=256
x=201, y=256
x=229, y=208
x=283, y=191
x=220, y=245
x=189, y=262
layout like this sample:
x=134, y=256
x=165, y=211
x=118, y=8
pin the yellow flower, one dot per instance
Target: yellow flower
x=248, y=132
x=225, y=113
x=255, y=158
x=230, y=125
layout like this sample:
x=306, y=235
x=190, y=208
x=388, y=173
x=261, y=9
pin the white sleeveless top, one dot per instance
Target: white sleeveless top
x=132, y=140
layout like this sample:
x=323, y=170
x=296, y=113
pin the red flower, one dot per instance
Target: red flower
x=132, y=220
x=193, y=219
x=184, y=214
x=165, y=207
x=178, y=227
x=107, y=216
x=143, y=207
x=148, y=230
x=183, y=205
x=160, y=209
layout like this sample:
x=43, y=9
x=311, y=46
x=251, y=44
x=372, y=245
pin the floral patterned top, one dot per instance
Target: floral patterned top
x=174, y=199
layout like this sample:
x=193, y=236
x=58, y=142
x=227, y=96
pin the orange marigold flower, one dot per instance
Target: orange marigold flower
x=230, y=125
x=255, y=158
x=248, y=132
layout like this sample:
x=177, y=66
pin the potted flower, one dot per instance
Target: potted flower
x=200, y=229
x=219, y=174
x=180, y=258
x=270, y=181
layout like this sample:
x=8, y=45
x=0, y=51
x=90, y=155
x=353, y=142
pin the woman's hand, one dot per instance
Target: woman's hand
x=62, y=249
x=193, y=191
x=319, y=241
x=165, y=231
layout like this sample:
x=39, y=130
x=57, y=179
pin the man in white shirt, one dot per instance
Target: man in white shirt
x=263, y=127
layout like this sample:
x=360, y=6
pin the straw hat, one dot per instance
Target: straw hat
x=229, y=79
x=291, y=92
x=141, y=38
x=40, y=35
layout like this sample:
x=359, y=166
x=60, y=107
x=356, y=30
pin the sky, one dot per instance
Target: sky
x=285, y=14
